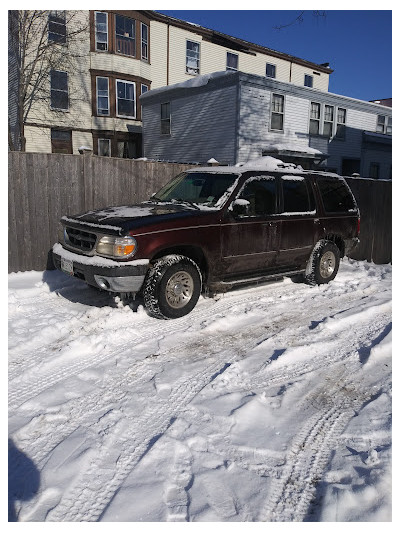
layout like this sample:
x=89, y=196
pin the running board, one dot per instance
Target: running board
x=226, y=285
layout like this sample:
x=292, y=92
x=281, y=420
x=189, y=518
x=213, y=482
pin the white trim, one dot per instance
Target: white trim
x=141, y=41
x=116, y=98
x=95, y=31
x=108, y=96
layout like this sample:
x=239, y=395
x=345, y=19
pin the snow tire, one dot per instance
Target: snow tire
x=172, y=287
x=323, y=264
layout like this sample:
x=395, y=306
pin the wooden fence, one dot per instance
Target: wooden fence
x=374, y=198
x=43, y=187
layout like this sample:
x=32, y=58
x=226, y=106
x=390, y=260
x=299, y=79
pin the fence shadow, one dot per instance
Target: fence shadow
x=23, y=479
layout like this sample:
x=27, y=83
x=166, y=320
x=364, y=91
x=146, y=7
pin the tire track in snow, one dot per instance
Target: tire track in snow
x=338, y=399
x=87, y=500
x=35, y=380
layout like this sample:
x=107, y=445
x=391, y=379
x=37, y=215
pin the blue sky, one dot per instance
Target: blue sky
x=356, y=43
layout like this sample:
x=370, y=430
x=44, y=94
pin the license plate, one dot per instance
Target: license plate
x=67, y=266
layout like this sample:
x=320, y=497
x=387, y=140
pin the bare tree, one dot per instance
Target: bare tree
x=300, y=18
x=39, y=42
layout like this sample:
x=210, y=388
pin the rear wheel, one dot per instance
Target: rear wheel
x=172, y=287
x=323, y=264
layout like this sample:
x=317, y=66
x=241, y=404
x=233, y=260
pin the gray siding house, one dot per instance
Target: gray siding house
x=234, y=117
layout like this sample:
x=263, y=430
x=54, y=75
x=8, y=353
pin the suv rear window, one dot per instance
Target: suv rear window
x=296, y=195
x=335, y=196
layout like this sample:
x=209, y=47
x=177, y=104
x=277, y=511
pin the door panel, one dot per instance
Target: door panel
x=249, y=241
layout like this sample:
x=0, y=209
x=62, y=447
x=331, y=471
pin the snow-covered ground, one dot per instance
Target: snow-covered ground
x=271, y=403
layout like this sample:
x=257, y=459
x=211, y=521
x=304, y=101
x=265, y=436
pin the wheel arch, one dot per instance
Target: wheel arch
x=338, y=241
x=195, y=253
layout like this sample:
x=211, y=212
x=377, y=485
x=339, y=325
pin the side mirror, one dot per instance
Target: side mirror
x=240, y=207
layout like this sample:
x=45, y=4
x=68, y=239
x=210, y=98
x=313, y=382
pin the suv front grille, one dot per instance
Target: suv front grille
x=82, y=240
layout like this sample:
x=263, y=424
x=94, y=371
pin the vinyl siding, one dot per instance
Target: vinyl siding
x=255, y=133
x=202, y=127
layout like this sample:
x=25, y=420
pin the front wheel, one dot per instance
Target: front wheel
x=323, y=264
x=172, y=287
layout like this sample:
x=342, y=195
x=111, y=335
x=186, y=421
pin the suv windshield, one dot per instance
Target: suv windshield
x=199, y=188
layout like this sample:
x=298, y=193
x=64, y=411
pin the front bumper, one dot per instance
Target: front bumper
x=109, y=275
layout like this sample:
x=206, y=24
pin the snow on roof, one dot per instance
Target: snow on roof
x=197, y=81
x=275, y=147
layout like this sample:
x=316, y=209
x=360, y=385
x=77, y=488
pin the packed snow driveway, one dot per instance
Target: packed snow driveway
x=271, y=403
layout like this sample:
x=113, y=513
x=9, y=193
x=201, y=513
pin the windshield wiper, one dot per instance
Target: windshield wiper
x=192, y=204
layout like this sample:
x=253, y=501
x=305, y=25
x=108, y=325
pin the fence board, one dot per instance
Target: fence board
x=43, y=187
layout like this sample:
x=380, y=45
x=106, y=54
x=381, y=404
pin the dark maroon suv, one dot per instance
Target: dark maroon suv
x=210, y=229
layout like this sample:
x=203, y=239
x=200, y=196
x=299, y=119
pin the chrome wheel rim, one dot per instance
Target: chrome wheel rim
x=327, y=264
x=179, y=289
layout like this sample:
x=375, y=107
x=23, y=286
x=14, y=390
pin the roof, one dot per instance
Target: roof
x=234, y=43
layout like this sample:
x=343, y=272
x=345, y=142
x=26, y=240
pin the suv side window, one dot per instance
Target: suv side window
x=297, y=197
x=260, y=192
x=335, y=195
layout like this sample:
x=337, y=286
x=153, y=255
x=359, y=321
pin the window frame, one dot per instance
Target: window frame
x=385, y=124
x=322, y=120
x=376, y=167
x=108, y=97
x=227, y=62
x=61, y=146
x=54, y=14
x=311, y=80
x=274, y=112
x=117, y=114
x=266, y=70
x=131, y=40
x=164, y=120
x=96, y=31
x=102, y=139
x=55, y=108
x=142, y=41
x=198, y=60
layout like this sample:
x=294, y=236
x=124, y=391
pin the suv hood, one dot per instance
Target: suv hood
x=127, y=217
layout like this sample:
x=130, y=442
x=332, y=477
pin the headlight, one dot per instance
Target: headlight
x=116, y=246
x=61, y=233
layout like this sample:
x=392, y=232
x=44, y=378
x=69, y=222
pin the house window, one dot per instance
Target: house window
x=166, y=118
x=125, y=35
x=144, y=88
x=101, y=23
x=328, y=121
x=104, y=147
x=61, y=141
x=315, y=117
x=192, y=57
x=374, y=170
x=57, y=30
x=270, y=71
x=59, y=89
x=384, y=124
x=308, y=80
x=277, y=112
x=145, y=41
x=232, y=61
x=340, y=123
x=126, y=98
x=126, y=149
x=102, y=94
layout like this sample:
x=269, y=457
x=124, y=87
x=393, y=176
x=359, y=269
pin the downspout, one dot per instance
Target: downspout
x=167, y=54
x=237, y=125
x=290, y=73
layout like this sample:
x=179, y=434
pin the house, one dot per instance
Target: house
x=93, y=103
x=235, y=116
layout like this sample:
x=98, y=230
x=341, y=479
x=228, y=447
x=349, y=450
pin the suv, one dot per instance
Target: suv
x=210, y=229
